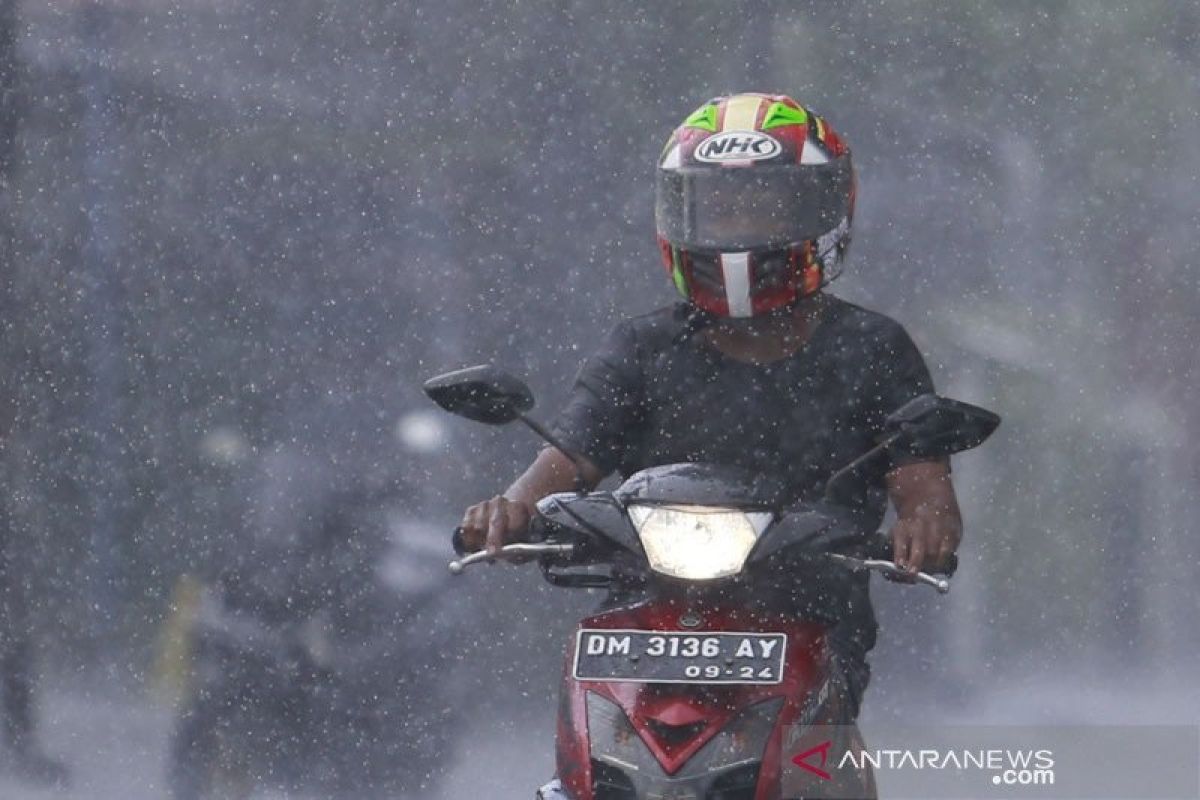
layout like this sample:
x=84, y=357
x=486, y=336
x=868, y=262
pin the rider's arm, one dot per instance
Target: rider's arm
x=504, y=518
x=928, y=524
x=597, y=424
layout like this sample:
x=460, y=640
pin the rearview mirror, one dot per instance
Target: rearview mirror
x=929, y=426
x=483, y=394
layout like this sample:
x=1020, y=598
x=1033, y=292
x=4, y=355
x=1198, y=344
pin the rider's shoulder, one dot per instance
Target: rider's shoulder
x=854, y=319
x=660, y=324
x=665, y=317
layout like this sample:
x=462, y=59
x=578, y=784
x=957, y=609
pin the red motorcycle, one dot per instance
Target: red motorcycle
x=709, y=660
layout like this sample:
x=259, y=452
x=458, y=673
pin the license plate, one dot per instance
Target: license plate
x=675, y=657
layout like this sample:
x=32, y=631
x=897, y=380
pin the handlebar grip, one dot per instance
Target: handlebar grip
x=456, y=541
x=880, y=546
x=536, y=532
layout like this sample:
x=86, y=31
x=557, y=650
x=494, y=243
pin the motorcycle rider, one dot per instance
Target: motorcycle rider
x=758, y=367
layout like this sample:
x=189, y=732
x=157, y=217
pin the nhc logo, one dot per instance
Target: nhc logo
x=801, y=760
x=737, y=146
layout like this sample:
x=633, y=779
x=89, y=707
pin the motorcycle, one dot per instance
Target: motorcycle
x=300, y=676
x=697, y=678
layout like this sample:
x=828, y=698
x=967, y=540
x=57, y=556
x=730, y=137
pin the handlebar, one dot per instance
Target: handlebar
x=520, y=549
x=890, y=569
x=879, y=565
x=879, y=547
x=536, y=532
x=566, y=550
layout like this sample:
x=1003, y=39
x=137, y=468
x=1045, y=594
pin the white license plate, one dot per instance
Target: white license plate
x=677, y=657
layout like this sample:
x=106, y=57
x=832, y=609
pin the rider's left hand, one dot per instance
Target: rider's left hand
x=924, y=541
x=928, y=525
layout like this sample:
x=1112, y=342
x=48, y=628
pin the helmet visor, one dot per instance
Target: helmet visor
x=739, y=208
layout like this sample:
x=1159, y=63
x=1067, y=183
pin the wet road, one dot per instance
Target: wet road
x=116, y=742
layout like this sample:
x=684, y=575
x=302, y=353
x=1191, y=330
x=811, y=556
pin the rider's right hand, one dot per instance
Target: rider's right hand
x=495, y=523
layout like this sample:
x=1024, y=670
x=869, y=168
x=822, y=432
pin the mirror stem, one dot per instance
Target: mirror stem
x=856, y=463
x=541, y=431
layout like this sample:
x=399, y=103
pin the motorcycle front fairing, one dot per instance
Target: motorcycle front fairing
x=792, y=545
x=635, y=738
x=600, y=527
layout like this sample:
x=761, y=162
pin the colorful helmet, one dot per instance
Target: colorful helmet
x=754, y=200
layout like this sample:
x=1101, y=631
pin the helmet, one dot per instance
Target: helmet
x=754, y=198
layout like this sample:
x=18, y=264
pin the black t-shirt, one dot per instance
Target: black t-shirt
x=657, y=393
x=654, y=395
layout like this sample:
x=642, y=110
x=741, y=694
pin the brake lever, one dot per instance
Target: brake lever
x=889, y=568
x=519, y=549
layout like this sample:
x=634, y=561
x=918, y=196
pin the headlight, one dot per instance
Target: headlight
x=697, y=543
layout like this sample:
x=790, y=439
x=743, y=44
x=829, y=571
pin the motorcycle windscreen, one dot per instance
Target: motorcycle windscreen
x=710, y=484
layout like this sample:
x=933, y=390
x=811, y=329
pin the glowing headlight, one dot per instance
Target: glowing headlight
x=697, y=543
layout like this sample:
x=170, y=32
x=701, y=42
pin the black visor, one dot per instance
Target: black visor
x=740, y=208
